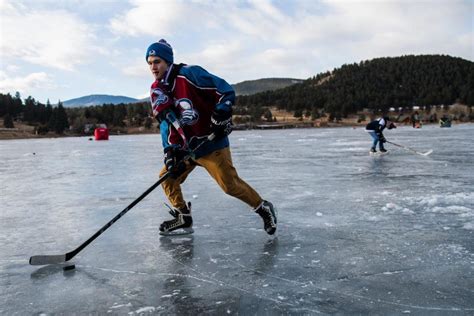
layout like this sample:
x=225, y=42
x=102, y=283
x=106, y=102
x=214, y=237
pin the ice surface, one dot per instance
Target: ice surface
x=357, y=234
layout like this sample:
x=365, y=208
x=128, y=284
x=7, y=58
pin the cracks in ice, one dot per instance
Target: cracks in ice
x=310, y=283
x=216, y=281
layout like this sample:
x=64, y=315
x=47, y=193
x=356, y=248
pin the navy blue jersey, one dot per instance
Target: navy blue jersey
x=377, y=125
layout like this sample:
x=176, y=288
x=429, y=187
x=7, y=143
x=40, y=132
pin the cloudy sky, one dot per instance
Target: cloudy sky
x=63, y=49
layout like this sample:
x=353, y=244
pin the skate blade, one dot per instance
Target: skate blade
x=178, y=232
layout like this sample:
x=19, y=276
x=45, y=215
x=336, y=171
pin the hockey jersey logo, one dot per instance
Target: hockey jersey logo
x=159, y=101
x=189, y=115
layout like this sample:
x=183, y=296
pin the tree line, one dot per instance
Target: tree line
x=44, y=116
x=48, y=118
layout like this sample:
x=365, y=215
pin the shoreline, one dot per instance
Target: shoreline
x=19, y=133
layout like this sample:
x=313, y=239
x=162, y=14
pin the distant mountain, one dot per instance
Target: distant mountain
x=242, y=88
x=98, y=99
x=260, y=85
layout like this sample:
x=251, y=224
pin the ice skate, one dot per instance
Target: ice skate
x=181, y=224
x=269, y=216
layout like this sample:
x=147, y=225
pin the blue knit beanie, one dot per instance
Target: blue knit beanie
x=161, y=49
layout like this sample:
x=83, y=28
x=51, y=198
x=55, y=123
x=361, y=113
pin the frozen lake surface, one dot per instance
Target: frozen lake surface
x=356, y=235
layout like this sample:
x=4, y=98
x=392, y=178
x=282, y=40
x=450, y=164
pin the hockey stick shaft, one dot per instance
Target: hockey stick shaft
x=410, y=149
x=55, y=259
x=46, y=259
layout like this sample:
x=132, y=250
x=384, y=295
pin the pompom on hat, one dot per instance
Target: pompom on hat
x=160, y=49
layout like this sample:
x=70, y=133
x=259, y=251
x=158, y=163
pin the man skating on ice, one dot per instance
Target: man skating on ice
x=375, y=129
x=191, y=104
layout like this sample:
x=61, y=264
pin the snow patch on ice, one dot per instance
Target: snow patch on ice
x=462, y=198
x=460, y=204
x=121, y=305
x=146, y=309
x=303, y=140
x=452, y=251
x=391, y=272
x=452, y=209
x=374, y=218
x=392, y=207
x=469, y=225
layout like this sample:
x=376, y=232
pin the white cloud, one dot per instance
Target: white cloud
x=38, y=80
x=234, y=39
x=151, y=17
x=54, y=38
x=138, y=69
x=301, y=37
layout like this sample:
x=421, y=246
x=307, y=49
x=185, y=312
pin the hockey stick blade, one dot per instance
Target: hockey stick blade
x=42, y=260
x=56, y=259
x=428, y=152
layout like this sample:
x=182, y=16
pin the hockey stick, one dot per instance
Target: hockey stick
x=412, y=150
x=56, y=259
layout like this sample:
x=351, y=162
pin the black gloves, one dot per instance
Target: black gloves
x=174, y=161
x=221, y=123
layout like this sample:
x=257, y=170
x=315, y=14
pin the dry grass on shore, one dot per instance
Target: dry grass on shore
x=283, y=118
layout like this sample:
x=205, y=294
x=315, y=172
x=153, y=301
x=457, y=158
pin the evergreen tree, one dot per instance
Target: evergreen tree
x=298, y=113
x=17, y=107
x=58, y=121
x=53, y=119
x=6, y=102
x=8, y=121
x=61, y=119
x=268, y=115
x=48, y=111
x=29, y=113
x=148, y=122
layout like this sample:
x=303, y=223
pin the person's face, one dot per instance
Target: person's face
x=157, y=66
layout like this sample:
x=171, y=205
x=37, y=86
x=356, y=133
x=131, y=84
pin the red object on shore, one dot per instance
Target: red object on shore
x=101, y=133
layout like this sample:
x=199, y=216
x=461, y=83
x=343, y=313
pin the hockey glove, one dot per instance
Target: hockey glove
x=382, y=139
x=221, y=123
x=174, y=161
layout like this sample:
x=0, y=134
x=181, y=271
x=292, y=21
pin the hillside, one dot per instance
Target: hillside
x=374, y=85
x=268, y=84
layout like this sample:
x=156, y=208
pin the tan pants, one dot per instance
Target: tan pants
x=219, y=165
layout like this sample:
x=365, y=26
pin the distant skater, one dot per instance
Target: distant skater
x=415, y=120
x=190, y=104
x=375, y=130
